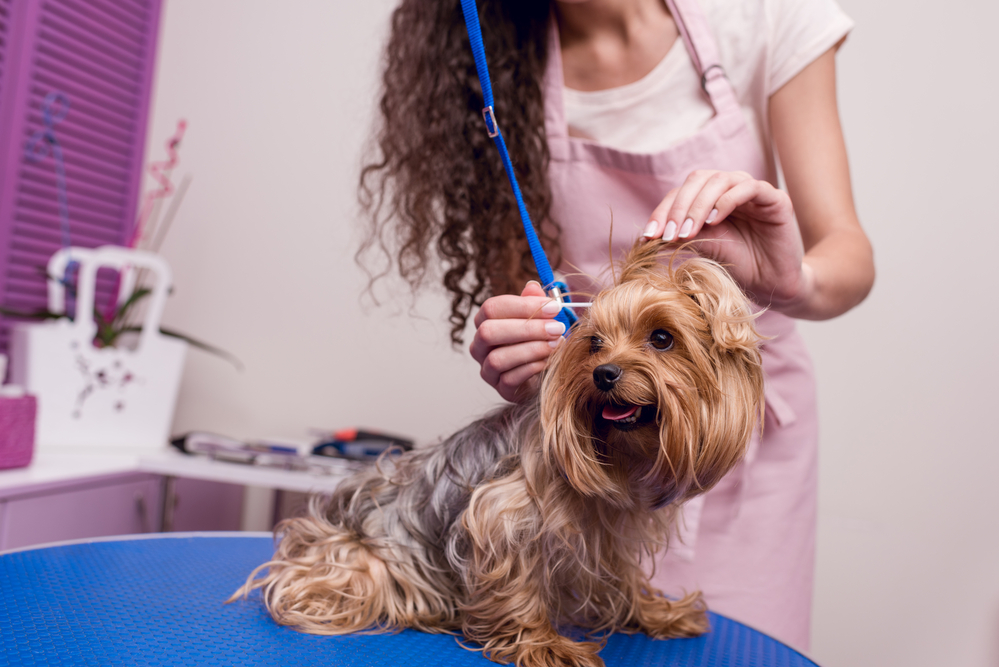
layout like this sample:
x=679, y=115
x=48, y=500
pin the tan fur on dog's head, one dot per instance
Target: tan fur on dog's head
x=681, y=333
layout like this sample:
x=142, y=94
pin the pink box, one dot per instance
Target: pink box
x=17, y=431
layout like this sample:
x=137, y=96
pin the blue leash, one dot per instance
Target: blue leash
x=556, y=288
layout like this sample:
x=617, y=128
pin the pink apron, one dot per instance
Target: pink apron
x=748, y=544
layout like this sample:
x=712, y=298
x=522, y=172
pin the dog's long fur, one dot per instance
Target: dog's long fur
x=541, y=516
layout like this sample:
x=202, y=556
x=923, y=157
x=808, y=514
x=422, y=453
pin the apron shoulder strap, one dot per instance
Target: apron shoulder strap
x=700, y=42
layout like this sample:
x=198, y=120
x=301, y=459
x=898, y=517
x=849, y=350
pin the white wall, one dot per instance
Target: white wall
x=908, y=570
x=278, y=96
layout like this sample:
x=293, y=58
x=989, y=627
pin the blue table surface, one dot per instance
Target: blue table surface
x=160, y=602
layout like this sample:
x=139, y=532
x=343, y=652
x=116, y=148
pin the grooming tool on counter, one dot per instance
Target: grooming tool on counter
x=358, y=444
x=266, y=454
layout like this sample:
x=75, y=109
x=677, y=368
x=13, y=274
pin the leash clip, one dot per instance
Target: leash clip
x=492, y=128
x=559, y=291
x=555, y=291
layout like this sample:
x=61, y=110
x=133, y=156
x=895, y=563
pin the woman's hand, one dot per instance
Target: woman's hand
x=514, y=335
x=747, y=225
x=755, y=231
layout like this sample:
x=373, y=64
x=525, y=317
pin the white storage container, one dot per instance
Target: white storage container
x=91, y=396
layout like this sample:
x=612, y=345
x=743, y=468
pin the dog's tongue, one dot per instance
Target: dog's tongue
x=615, y=413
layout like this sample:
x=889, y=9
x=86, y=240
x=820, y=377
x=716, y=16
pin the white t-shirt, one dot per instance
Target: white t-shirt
x=762, y=44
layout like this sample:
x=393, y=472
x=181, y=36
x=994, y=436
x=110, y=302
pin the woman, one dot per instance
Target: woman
x=663, y=117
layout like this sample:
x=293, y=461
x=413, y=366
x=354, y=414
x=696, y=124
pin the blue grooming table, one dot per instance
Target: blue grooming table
x=158, y=600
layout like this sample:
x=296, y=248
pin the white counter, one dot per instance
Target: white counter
x=55, y=466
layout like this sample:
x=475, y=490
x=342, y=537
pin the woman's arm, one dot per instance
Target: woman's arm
x=809, y=260
x=804, y=120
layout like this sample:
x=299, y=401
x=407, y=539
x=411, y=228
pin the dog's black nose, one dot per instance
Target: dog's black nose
x=605, y=376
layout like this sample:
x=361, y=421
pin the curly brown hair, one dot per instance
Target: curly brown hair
x=435, y=191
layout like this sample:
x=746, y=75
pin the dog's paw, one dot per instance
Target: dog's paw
x=662, y=618
x=543, y=648
x=558, y=651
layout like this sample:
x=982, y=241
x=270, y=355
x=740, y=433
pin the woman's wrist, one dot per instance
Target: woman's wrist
x=798, y=298
x=830, y=285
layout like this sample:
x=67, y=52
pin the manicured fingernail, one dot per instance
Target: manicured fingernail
x=554, y=328
x=552, y=308
x=687, y=226
x=670, y=232
x=650, y=229
x=534, y=282
x=555, y=343
x=711, y=216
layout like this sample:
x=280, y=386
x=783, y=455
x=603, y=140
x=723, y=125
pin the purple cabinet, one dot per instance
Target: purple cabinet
x=115, y=504
x=204, y=505
x=99, y=54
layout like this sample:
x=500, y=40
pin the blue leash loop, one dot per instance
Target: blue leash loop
x=44, y=143
x=557, y=289
x=41, y=145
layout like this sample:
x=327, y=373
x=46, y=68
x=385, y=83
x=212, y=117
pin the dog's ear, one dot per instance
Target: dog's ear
x=726, y=308
x=730, y=398
x=733, y=407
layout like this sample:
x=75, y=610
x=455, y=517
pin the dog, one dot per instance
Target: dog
x=542, y=516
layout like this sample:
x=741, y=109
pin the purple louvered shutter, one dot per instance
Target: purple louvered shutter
x=100, y=54
x=4, y=38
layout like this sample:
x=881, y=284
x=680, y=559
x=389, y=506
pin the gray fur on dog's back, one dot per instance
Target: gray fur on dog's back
x=414, y=502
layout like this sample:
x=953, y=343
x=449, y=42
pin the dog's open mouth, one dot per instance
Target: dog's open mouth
x=627, y=417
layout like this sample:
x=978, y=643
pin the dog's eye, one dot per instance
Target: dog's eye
x=661, y=339
x=595, y=344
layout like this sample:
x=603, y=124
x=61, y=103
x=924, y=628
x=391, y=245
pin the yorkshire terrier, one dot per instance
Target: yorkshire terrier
x=542, y=516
